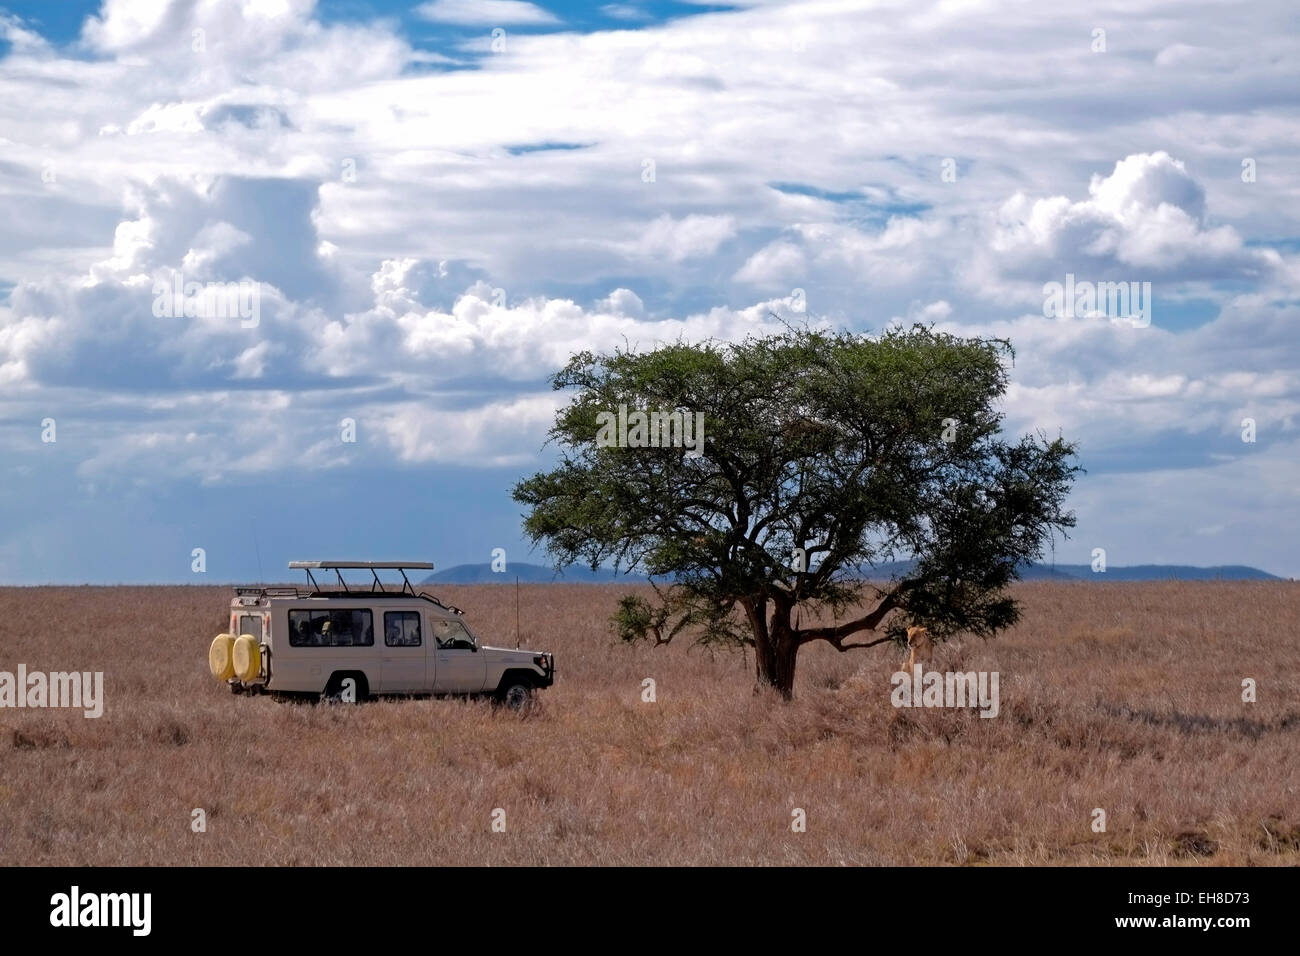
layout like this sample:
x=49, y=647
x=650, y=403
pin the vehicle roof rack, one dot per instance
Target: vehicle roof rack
x=337, y=567
x=372, y=566
x=279, y=590
x=330, y=565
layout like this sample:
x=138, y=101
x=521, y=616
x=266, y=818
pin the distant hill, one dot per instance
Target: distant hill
x=541, y=574
x=1136, y=572
x=1160, y=572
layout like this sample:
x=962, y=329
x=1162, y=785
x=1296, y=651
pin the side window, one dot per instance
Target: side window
x=451, y=634
x=402, y=628
x=337, y=627
x=251, y=624
x=300, y=632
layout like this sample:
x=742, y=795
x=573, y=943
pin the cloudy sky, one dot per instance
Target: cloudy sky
x=438, y=202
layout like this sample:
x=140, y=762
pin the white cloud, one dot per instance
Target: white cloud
x=679, y=239
x=623, y=11
x=929, y=313
x=485, y=12
x=24, y=41
x=147, y=26
x=251, y=363
x=1148, y=217
x=776, y=264
x=499, y=433
x=794, y=146
x=623, y=302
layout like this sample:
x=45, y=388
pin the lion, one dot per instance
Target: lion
x=920, y=645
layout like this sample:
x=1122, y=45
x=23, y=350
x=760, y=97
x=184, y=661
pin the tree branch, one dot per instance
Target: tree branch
x=853, y=647
x=835, y=635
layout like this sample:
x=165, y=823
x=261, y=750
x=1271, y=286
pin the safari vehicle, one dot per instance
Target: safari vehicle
x=349, y=643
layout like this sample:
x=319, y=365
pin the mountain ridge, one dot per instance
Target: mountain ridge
x=541, y=574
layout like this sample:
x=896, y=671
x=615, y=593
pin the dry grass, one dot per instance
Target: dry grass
x=1123, y=696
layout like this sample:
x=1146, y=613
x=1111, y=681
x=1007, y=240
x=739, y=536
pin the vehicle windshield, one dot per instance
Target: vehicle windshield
x=452, y=634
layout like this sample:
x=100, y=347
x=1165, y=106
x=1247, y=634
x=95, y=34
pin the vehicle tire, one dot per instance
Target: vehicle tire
x=220, y=661
x=516, y=694
x=246, y=657
x=333, y=693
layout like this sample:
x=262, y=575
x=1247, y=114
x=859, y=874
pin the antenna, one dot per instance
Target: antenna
x=516, y=612
x=256, y=550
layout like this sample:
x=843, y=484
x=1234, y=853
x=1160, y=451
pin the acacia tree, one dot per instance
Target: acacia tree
x=838, y=474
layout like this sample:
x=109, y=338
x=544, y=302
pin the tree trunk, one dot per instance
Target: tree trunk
x=774, y=657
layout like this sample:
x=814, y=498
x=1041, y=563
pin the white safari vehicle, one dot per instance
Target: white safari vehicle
x=349, y=643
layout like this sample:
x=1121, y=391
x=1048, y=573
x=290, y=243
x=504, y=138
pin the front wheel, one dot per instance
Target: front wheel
x=516, y=695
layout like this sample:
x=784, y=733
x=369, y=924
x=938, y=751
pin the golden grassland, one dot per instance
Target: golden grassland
x=1125, y=697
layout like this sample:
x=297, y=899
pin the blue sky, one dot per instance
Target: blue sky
x=438, y=202
x=427, y=25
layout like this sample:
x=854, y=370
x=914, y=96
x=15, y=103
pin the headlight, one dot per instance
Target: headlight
x=540, y=660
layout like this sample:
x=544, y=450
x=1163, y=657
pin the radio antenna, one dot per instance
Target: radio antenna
x=256, y=550
x=516, y=612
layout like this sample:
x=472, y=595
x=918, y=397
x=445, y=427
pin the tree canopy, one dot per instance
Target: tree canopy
x=824, y=457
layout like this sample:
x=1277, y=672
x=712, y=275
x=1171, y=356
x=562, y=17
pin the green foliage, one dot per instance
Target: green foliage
x=828, y=442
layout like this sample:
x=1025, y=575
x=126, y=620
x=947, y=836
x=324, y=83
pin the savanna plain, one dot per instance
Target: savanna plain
x=1123, y=697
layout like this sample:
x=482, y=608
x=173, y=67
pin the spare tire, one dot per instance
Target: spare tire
x=247, y=658
x=220, y=660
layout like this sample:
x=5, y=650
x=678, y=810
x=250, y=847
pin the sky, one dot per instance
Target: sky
x=429, y=206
